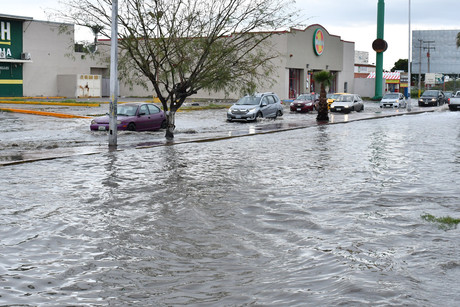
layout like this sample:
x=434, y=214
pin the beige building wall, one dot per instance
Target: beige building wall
x=52, y=54
x=51, y=46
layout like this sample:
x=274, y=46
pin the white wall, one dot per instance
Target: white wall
x=51, y=46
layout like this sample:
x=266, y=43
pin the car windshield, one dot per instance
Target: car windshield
x=430, y=94
x=249, y=100
x=335, y=96
x=347, y=98
x=305, y=97
x=391, y=96
x=126, y=110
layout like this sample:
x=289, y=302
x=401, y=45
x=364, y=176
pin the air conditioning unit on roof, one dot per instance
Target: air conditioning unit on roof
x=25, y=56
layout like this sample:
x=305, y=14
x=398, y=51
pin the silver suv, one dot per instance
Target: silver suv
x=251, y=107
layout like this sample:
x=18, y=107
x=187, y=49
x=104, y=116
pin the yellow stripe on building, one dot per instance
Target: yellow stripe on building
x=5, y=43
x=10, y=81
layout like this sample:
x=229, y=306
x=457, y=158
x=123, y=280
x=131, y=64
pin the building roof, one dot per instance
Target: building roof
x=13, y=17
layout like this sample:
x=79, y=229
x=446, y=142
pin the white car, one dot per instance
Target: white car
x=393, y=100
x=347, y=103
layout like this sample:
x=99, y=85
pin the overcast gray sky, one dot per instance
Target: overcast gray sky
x=352, y=20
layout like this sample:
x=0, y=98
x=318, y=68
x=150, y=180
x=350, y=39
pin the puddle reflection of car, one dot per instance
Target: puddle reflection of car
x=135, y=116
x=251, y=107
x=304, y=103
x=393, y=100
x=347, y=103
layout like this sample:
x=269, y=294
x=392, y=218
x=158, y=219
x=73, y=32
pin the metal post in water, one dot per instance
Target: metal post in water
x=113, y=76
x=409, y=107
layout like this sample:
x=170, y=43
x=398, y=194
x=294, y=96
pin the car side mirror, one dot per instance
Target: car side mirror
x=264, y=104
x=141, y=113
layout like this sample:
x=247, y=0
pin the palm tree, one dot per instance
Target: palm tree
x=458, y=40
x=324, y=78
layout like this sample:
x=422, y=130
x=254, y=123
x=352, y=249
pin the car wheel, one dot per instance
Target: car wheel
x=259, y=114
x=132, y=127
x=164, y=124
x=279, y=113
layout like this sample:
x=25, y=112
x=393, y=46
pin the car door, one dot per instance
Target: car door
x=265, y=107
x=143, y=121
x=357, y=103
x=156, y=117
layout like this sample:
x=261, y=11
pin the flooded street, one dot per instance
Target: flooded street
x=323, y=215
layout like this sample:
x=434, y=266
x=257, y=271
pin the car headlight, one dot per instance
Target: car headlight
x=291, y=104
x=251, y=110
x=309, y=104
x=119, y=122
x=433, y=99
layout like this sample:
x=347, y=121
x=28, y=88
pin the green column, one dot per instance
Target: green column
x=379, y=55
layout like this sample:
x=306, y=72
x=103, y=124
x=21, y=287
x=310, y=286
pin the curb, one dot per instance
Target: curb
x=60, y=115
x=73, y=104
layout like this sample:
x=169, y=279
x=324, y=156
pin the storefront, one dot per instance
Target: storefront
x=12, y=57
x=313, y=50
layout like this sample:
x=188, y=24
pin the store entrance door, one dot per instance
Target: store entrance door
x=295, y=83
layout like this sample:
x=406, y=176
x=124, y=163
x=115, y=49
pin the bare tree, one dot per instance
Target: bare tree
x=179, y=47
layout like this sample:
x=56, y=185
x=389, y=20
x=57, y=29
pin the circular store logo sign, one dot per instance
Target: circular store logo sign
x=318, y=42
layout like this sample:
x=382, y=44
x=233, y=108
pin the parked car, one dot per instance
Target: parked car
x=393, y=100
x=432, y=98
x=133, y=116
x=448, y=95
x=347, y=103
x=332, y=97
x=454, y=104
x=304, y=103
x=251, y=107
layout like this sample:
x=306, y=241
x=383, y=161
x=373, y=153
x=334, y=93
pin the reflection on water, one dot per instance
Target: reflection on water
x=330, y=213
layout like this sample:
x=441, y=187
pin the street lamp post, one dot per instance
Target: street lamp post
x=113, y=77
x=409, y=68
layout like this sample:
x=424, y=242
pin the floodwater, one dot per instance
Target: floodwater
x=326, y=215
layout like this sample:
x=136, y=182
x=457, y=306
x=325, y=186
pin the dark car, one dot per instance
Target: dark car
x=448, y=95
x=304, y=103
x=135, y=116
x=432, y=98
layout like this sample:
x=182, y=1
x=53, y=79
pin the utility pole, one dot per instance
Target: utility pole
x=113, y=77
x=420, y=41
x=429, y=48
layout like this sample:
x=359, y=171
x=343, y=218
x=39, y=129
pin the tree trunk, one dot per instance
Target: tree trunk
x=171, y=120
x=322, y=106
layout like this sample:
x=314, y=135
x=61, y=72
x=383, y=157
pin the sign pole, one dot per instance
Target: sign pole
x=379, y=45
x=113, y=77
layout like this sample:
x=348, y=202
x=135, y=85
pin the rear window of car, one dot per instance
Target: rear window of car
x=153, y=109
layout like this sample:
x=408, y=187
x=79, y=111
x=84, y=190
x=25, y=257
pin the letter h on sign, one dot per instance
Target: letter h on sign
x=5, y=33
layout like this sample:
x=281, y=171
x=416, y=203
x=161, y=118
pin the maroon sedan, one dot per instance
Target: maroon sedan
x=135, y=116
x=304, y=103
